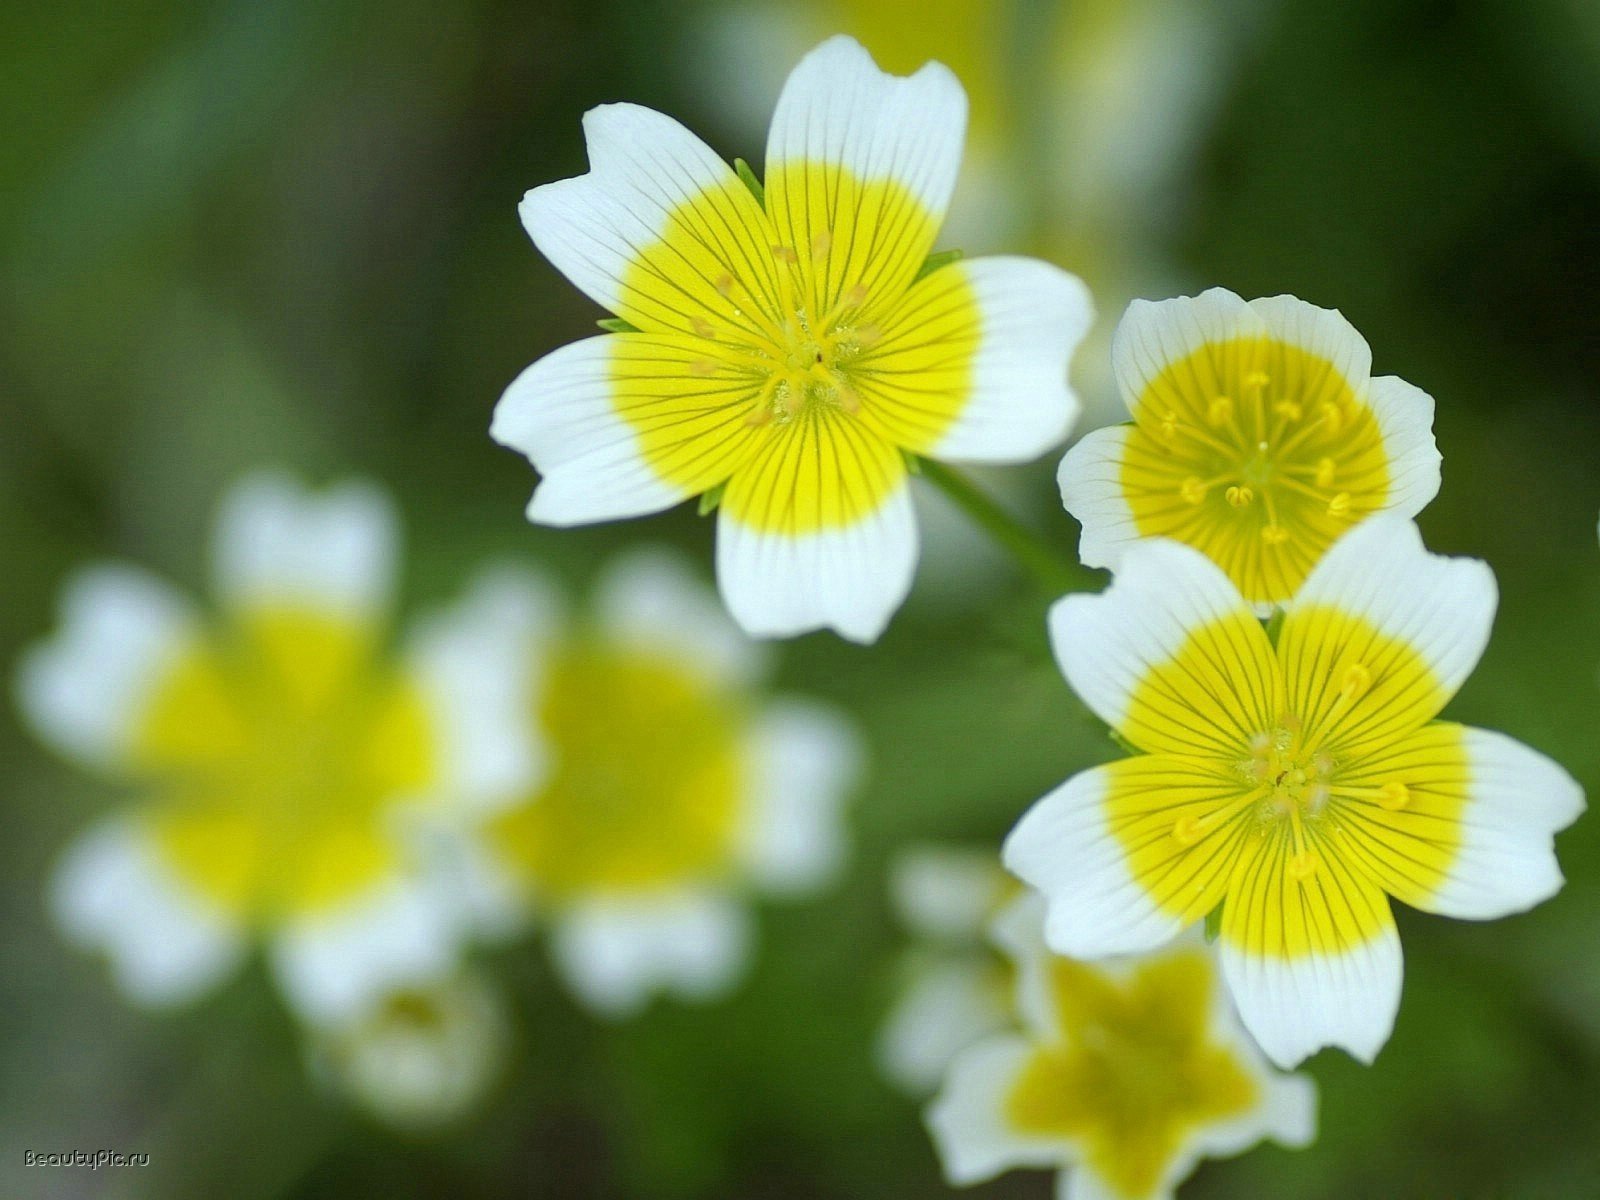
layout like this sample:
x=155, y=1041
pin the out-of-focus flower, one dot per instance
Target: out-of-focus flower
x=674, y=789
x=786, y=349
x=418, y=1057
x=1298, y=783
x=1259, y=436
x=284, y=758
x=1124, y=1074
x=954, y=987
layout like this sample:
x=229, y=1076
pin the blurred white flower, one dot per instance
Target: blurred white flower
x=285, y=759
x=1122, y=1074
x=674, y=790
x=419, y=1057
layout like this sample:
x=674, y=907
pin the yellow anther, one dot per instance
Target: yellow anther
x=848, y=399
x=724, y=284
x=1169, y=426
x=856, y=296
x=1240, y=496
x=1188, y=830
x=785, y=254
x=1302, y=866
x=1220, y=410
x=866, y=335
x=1193, y=490
x=762, y=415
x=1289, y=409
x=1339, y=506
x=1332, y=416
x=1325, y=472
x=1394, y=796
x=1355, y=682
x=821, y=244
x=702, y=327
x=1257, y=379
x=1274, y=535
x=705, y=368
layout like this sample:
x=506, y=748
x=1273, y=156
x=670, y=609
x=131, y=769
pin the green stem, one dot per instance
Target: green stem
x=1035, y=555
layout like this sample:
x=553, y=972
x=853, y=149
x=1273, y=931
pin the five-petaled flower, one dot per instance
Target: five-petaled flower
x=1124, y=1074
x=1294, y=782
x=790, y=349
x=288, y=765
x=1259, y=437
x=672, y=787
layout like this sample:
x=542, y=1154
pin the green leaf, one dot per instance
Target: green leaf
x=913, y=463
x=710, y=499
x=616, y=325
x=934, y=261
x=1214, y=923
x=1127, y=746
x=750, y=181
x=1275, y=625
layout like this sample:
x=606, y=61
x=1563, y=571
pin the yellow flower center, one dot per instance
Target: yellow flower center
x=648, y=785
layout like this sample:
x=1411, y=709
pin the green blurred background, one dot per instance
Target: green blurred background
x=245, y=233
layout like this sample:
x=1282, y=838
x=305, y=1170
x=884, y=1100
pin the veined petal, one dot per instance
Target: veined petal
x=112, y=893
x=969, y=1121
x=616, y=952
x=660, y=231
x=278, y=544
x=1312, y=959
x=1473, y=836
x=1092, y=490
x=817, y=532
x=1170, y=655
x=1382, y=635
x=860, y=166
x=650, y=601
x=1155, y=334
x=1130, y=853
x=807, y=760
x=1405, y=419
x=972, y=365
x=1322, y=333
x=624, y=425
x=87, y=689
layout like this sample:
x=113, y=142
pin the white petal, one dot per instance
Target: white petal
x=968, y=1120
x=1516, y=802
x=644, y=167
x=112, y=893
x=1163, y=593
x=1322, y=332
x=1405, y=419
x=615, y=953
x=334, y=965
x=945, y=1008
x=279, y=543
x=1090, y=479
x=559, y=413
x=1032, y=317
x=1153, y=335
x=85, y=689
x=807, y=760
x=1064, y=847
x=479, y=665
x=651, y=600
x=849, y=579
x=1441, y=607
x=948, y=893
x=838, y=108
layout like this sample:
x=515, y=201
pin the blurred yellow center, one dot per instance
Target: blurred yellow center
x=1258, y=454
x=1134, y=1072
x=279, y=751
x=648, y=782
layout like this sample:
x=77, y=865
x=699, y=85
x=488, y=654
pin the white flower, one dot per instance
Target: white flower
x=284, y=759
x=790, y=350
x=674, y=789
x=1124, y=1073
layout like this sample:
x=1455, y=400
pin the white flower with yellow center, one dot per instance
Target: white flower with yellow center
x=789, y=348
x=1259, y=437
x=673, y=790
x=1297, y=782
x=1124, y=1074
x=279, y=751
x=954, y=988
